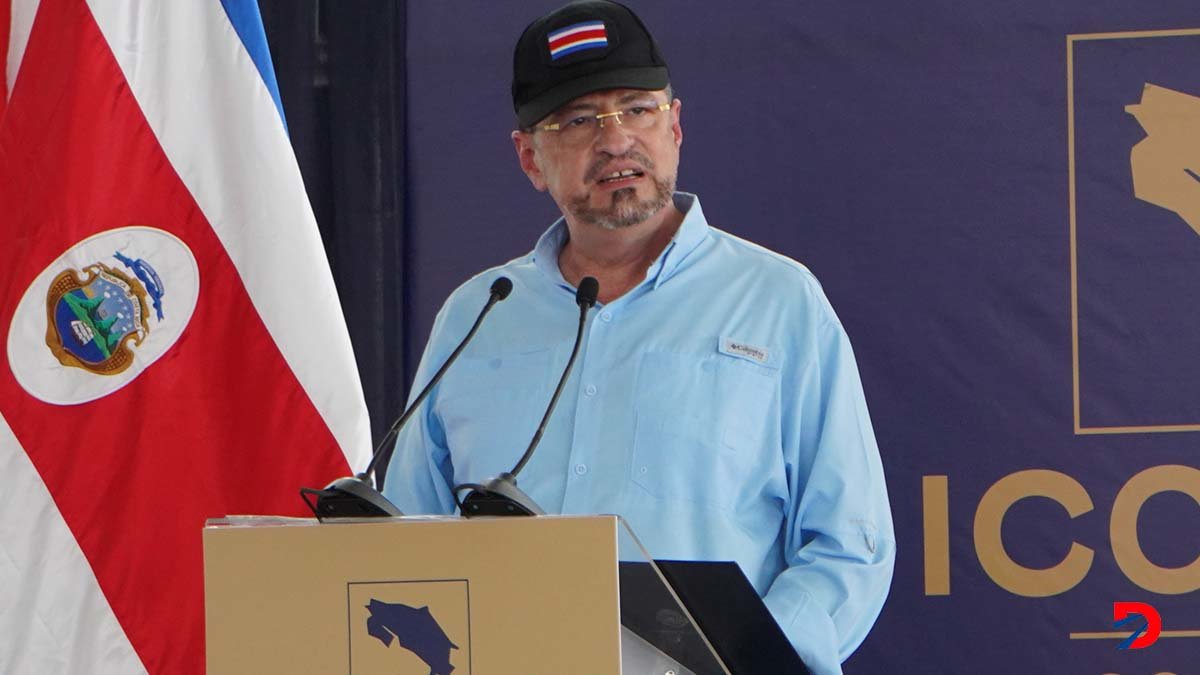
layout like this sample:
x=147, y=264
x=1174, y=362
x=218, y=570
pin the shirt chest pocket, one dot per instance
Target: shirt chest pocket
x=705, y=425
x=489, y=407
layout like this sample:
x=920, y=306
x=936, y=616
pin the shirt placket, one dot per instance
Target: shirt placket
x=593, y=364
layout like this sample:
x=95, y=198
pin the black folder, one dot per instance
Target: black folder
x=723, y=604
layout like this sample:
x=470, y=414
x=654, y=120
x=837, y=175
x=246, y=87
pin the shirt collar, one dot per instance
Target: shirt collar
x=692, y=231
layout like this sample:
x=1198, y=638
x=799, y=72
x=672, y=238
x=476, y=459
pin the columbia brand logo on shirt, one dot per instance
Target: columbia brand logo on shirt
x=744, y=350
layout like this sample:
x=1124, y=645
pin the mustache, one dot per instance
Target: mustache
x=599, y=168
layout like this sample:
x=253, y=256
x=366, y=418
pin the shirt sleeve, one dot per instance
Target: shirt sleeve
x=839, y=543
x=420, y=474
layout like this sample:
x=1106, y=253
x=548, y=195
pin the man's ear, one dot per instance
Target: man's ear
x=526, y=156
x=676, y=126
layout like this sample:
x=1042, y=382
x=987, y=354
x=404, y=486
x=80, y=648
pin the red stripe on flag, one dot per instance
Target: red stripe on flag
x=218, y=425
x=578, y=37
x=5, y=30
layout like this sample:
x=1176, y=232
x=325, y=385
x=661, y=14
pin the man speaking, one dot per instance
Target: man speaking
x=716, y=404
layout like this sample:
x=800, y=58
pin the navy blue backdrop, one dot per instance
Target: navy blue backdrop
x=957, y=176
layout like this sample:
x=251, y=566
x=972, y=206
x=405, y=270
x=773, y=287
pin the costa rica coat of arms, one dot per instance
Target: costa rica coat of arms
x=96, y=314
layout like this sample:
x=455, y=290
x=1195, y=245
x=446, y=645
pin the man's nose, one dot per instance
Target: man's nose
x=613, y=137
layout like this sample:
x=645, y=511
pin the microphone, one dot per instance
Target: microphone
x=356, y=496
x=500, y=496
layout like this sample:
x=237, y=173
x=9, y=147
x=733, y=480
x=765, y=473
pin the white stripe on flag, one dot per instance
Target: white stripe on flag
x=53, y=616
x=596, y=25
x=23, y=12
x=268, y=229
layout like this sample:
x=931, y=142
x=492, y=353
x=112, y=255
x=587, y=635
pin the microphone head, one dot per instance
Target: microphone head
x=501, y=288
x=589, y=288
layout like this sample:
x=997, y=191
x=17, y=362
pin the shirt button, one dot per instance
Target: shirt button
x=580, y=469
x=643, y=470
x=590, y=390
x=606, y=316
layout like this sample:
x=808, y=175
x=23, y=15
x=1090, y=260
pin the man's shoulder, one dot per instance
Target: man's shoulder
x=761, y=259
x=475, y=289
x=771, y=277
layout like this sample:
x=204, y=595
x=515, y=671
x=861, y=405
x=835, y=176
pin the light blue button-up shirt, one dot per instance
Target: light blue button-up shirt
x=716, y=407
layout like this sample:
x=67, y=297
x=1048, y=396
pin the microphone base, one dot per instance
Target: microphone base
x=500, y=496
x=348, y=497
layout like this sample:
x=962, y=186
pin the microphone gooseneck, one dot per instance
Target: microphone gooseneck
x=500, y=496
x=585, y=298
x=500, y=289
x=356, y=496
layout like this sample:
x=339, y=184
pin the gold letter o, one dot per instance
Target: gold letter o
x=1122, y=530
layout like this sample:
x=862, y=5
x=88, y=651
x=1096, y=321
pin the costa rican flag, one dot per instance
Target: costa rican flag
x=577, y=37
x=171, y=343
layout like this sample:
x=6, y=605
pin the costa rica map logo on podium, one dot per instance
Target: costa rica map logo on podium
x=409, y=627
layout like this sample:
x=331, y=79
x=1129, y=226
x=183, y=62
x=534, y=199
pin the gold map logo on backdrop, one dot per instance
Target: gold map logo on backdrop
x=1164, y=173
x=1166, y=164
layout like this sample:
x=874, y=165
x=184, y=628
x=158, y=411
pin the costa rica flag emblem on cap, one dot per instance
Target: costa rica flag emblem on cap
x=577, y=37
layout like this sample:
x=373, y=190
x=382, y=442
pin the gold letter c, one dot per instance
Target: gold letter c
x=1025, y=581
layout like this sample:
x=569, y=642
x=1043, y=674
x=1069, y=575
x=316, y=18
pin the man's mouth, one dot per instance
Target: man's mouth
x=620, y=175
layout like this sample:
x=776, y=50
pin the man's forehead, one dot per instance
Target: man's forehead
x=608, y=97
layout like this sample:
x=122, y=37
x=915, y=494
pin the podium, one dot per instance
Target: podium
x=441, y=595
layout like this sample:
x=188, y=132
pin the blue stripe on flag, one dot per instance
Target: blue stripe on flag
x=592, y=44
x=247, y=23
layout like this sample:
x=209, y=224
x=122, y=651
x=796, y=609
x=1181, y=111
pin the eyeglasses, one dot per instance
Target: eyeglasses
x=580, y=129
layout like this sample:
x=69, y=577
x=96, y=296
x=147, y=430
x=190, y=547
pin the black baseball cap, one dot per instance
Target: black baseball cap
x=580, y=48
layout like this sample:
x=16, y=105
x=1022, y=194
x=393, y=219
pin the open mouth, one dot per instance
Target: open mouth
x=616, y=176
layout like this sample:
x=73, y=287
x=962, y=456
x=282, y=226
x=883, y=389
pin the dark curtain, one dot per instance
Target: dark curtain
x=341, y=71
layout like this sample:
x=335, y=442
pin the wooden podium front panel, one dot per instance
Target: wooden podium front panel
x=511, y=595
